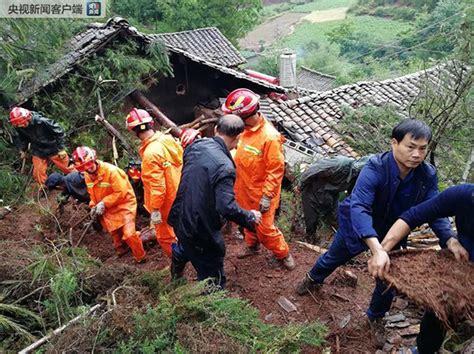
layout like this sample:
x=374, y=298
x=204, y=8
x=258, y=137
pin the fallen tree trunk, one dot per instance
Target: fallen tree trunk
x=115, y=133
x=46, y=338
x=313, y=247
x=156, y=113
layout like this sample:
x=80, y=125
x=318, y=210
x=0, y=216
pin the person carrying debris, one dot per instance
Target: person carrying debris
x=162, y=159
x=388, y=185
x=72, y=185
x=320, y=186
x=46, y=138
x=112, y=201
x=457, y=201
x=260, y=166
x=206, y=197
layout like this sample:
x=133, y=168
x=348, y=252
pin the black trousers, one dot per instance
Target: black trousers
x=431, y=334
x=318, y=204
x=208, y=264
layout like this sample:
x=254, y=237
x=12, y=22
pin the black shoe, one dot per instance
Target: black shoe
x=378, y=332
x=177, y=271
x=307, y=285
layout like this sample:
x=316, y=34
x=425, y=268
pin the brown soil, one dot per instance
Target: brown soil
x=258, y=279
x=428, y=277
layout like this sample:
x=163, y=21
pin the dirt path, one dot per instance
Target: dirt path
x=269, y=32
x=258, y=279
x=327, y=15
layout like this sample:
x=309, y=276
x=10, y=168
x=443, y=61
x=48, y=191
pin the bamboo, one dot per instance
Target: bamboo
x=43, y=340
x=313, y=247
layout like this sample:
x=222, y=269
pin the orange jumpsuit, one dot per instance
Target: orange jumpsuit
x=162, y=159
x=260, y=166
x=111, y=185
x=40, y=166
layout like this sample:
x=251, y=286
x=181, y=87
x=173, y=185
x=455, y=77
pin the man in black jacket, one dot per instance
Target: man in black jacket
x=205, y=197
x=46, y=138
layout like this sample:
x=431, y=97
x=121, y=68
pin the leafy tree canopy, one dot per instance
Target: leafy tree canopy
x=233, y=17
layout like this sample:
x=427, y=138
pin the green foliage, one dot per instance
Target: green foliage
x=268, y=64
x=314, y=50
x=394, y=12
x=14, y=320
x=60, y=270
x=155, y=328
x=26, y=46
x=449, y=116
x=274, y=10
x=436, y=35
x=12, y=184
x=319, y=5
x=75, y=102
x=233, y=18
x=416, y=4
x=374, y=122
x=289, y=219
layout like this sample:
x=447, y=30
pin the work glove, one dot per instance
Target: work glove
x=62, y=154
x=98, y=210
x=22, y=154
x=257, y=216
x=155, y=217
x=265, y=204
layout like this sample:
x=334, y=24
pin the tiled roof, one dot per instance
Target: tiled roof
x=207, y=43
x=312, y=80
x=311, y=120
x=79, y=48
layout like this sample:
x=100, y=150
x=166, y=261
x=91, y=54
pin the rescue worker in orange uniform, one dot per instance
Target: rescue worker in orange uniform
x=46, y=138
x=162, y=159
x=260, y=167
x=112, y=201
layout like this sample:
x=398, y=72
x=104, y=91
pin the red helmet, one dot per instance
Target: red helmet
x=241, y=102
x=20, y=117
x=84, y=158
x=188, y=135
x=138, y=117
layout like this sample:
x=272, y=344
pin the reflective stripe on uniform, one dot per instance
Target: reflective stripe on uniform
x=253, y=150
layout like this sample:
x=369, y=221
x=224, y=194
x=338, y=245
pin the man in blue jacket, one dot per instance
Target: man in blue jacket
x=72, y=184
x=388, y=185
x=205, y=197
x=457, y=201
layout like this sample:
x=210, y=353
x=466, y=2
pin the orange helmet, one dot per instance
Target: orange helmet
x=137, y=117
x=20, y=117
x=84, y=158
x=241, y=102
x=188, y=135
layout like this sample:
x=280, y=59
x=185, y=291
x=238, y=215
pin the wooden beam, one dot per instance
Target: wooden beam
x=156, y=113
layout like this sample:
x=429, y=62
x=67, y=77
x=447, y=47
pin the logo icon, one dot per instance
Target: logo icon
x=93, y=8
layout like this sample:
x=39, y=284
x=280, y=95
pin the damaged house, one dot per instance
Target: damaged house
x=206, y=67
